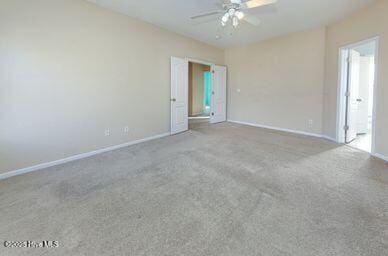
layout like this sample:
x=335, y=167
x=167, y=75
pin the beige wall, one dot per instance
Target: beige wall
x=70, y=69
x=281, y=81
x=369, y=22
x=197, y=88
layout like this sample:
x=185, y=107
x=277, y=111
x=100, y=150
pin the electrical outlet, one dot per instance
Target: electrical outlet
x=107, y=132
x=311, y=122
x=126, y=129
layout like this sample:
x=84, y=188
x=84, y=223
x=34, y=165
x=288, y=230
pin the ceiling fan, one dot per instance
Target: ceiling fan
x=233, y=11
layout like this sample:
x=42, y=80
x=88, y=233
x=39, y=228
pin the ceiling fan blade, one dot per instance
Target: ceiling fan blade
x=252, y=20
x=206, y=14
x=257, y=3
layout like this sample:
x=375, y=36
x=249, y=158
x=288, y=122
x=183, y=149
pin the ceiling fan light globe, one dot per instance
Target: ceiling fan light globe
x=225, y=18
x=240, y=15
x=235, y=22
x=231, y=12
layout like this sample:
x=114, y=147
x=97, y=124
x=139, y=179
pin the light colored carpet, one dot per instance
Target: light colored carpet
x=224, y=189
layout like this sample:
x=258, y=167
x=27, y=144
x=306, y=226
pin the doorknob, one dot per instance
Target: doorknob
x=359, y=100
x=173, y=100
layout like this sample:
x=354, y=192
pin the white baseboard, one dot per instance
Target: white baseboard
x=278, y=129
x=380, y=156
x=77, y=157
x=329, y=138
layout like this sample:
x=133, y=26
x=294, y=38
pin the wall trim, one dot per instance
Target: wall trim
x=383, y=157
x=77, y=157
x=279, y=129
x=330, y=138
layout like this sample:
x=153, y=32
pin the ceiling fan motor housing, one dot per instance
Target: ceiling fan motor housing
x=233, y=11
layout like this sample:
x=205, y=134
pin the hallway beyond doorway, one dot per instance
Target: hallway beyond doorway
x=199, y=90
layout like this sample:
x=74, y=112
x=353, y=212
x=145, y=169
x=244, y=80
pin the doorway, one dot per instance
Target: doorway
x=199, y=92
x=357, y=95
x=204, y=99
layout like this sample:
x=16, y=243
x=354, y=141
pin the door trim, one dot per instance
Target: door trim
x=199, y=61
x=341, y=90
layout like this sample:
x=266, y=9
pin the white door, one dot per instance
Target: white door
x=352, y=95
x=366, y=77
x=179, y=95
x=218, y=98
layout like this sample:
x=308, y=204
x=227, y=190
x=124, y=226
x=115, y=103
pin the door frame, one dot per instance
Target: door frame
x=342, y=89
x=198, y=61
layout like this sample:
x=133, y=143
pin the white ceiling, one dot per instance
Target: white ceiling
x=285, y=17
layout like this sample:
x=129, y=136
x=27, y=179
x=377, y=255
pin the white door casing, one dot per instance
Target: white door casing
x=179, y=95
x=218, y=98
x=352, y=95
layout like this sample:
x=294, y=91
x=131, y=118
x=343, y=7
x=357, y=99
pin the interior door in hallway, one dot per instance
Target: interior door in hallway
x=365, y=88
x=352, y=95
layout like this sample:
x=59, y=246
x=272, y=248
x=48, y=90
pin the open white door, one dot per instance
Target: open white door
x=218, y=99
x=366, y=82
x=179, y=95
x=352, y=96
